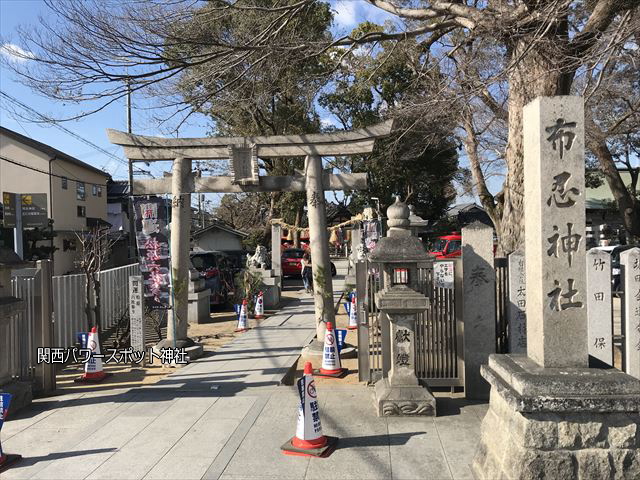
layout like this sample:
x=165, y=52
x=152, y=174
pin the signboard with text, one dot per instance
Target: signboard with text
x=443, y=274
x=9, y=210
x=34, y=210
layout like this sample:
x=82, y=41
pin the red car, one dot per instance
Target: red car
x=447, y=246
x=291, y=262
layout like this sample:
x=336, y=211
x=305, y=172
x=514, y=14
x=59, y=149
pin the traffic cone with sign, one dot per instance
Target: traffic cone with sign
x=93, y=371
x=353, y=313
x=331, y=366
x=6, y=459
x=259, y=310
x=309, y=440
x=242, y=318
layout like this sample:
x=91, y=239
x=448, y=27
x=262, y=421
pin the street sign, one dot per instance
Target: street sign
x=9, y=210
x=34, y=210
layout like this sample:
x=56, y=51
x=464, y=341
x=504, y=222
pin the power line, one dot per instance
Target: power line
x=66, y=130
x=15, y=162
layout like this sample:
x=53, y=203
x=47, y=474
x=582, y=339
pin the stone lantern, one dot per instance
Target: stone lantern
x=399, y=255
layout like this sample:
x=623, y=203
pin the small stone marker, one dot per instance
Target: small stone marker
x=555, y=225
x=479, y=305
x=630, y=263
x=599, y=311
x=517, y=303
x=443, y=274
x=136, y=317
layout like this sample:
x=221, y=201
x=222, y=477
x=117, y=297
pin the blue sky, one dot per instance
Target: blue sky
x=348, y=13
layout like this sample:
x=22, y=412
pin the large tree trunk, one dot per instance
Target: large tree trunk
x=296, y=233
x=535, y=74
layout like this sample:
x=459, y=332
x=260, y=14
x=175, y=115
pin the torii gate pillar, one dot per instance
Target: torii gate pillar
x=180, y=233
x=319, y=240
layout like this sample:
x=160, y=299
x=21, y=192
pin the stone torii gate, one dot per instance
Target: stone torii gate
x=243, y=154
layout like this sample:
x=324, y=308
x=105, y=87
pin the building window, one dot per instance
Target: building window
x=80, y=190
x=99, y=190
x=94, y=189
x=82, y=211
x=64, y=183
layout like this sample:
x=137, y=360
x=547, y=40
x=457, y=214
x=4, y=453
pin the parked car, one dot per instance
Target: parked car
x=291, y=262
x=447, y=246
x=216, y=268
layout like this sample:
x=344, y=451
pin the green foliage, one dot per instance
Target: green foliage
x=273, y=97
x=248, y=285
x=270, y=96
x=33, y=238
x=419, y=161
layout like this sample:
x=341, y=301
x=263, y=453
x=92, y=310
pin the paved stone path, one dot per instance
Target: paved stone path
x=225, y=416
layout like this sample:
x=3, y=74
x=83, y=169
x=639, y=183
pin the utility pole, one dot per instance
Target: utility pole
x=132, y=224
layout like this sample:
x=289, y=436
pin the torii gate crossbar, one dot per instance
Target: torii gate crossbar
x=243, y=153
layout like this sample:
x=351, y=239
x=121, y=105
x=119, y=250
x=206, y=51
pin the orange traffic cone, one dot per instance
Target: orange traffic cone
x=331, y=366
x=353, y=313
x=6, y=459
x=242, y=318
x=259, y=310
x=309, y=440
x=93, y=371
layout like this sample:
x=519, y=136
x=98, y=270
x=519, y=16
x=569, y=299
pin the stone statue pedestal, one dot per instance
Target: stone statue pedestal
x=272, y=287
x=401, y=394
x=558, y=422
x=199, y=307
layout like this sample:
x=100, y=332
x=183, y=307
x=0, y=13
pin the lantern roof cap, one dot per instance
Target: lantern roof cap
x=399, y=246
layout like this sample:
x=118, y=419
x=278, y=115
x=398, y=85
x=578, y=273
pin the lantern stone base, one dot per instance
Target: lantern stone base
x=558, y=423
x=403, y=400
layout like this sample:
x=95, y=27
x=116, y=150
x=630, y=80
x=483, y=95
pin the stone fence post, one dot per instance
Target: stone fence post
x=479, y=306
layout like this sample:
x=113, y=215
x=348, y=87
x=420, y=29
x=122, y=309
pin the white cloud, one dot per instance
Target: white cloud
x=345, y=13
x=327, y=122
x=15, y=53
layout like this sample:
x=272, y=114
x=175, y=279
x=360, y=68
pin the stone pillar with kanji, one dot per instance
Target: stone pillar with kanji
x=550, y=415
x=399, y=256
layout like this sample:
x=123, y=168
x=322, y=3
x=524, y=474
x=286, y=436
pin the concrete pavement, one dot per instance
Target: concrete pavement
x=225, y=416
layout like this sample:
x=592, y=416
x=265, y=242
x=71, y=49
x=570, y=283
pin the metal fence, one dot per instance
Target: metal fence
x=69, y=301
x=22, y=361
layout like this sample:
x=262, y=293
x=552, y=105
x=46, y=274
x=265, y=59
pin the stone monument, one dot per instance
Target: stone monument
x=399, y=255
x=630, y=263
x=479, y=306
x=517, y=303
x=199, y=298
x=550, y=416
x=599, y=306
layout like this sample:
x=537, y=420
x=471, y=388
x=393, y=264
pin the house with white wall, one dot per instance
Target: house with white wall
x=76, y=191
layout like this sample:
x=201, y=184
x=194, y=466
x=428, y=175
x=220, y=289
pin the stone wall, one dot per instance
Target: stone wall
x=557, y=445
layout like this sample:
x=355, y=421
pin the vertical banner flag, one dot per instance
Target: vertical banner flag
x=153, y=247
